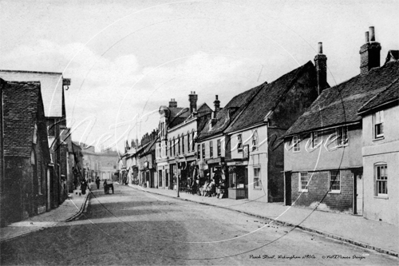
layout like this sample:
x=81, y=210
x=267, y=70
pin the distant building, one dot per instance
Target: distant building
x=102, y=164
x=27, y=180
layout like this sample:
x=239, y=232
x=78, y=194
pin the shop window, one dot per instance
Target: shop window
x=381, y=180
x=211, y=148
x=255, y=140
x=303, y=181
x=257, y=180
x=378, y=125
x=239, y=142
x=219, y=147
x=335, y=181
x=296, y=143
x=342, y=136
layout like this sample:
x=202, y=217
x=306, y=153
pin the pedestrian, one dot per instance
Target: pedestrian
x=98, y=182
x=83, y=186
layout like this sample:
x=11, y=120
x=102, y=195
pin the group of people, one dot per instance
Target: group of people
x=208, y=189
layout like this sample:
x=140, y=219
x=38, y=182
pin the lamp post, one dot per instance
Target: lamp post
x=178, y=186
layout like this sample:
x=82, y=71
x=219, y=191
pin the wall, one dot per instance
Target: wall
x=318, y=192
x=326, y=156
x=377, y=151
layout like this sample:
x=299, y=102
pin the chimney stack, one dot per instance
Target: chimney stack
x=320, y=62
x=192, y=97
x=369, y=53
x=172, y=103
x=217, y=105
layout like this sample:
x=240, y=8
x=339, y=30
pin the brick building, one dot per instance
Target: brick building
x=323, y=149
x=53, y=94
x=25, y=179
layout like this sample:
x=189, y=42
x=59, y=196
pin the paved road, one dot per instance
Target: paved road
x=136, y=228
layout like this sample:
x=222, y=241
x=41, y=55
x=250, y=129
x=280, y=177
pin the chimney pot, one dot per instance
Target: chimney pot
x=192, y=98
x=372, y=34
x=320, y=47
x=366, y=34
x=369, y=53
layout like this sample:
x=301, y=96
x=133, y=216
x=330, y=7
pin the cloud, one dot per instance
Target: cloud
x=118, y=89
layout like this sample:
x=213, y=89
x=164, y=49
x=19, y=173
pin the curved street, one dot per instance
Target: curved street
x=132, y=227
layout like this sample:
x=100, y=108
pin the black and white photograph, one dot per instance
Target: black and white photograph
x=199, y=132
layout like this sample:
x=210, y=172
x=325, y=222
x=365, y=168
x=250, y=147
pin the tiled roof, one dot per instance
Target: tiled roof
x=51, y=88
x=177, y=115
x=339, y=104
x=389, y=95
x=20, y=115
x=268, y=98
x=225, y=116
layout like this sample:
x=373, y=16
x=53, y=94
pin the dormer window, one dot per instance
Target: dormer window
x=378, y=125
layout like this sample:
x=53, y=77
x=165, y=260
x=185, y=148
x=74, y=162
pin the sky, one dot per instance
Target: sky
x=126, y=58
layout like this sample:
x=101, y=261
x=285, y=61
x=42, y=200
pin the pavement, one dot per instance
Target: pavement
x=379, y=236
x=70, y=209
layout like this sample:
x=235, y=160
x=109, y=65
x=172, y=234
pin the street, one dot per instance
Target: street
x=132, y=227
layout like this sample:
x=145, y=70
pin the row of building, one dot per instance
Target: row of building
x=295, y=140
x=40, y=164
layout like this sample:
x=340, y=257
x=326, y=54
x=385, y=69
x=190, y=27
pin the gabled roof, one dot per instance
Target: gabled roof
x=225, y=116
x=22, y=101
x=388, y=96
x=339, y=105
x=267, y=99
x=51, y=87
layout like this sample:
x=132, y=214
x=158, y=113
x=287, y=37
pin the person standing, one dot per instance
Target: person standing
x=83, y=186
x=98, y=182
